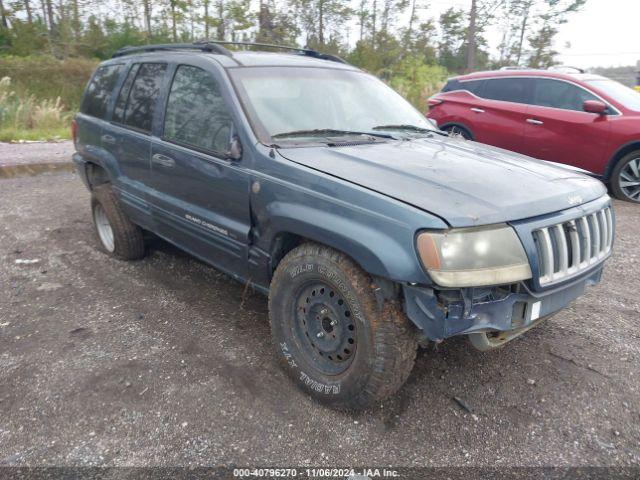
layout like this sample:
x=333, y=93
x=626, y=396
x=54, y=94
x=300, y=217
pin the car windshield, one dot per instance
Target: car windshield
x=307, y=104
x=626, y=96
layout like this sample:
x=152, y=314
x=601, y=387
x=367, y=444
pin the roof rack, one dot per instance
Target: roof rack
x=215, y=46
x=202, y=46
x=305, y=51
x=513, y=67
x=565, y=69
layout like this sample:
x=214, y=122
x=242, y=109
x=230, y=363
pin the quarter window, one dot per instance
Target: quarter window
x=143, y=96
x=98, y=94
x=557, y=94
x=507, y=89
x=196, y=113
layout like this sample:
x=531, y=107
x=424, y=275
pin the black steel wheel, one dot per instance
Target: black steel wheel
x=325, y=327
x=333, y=337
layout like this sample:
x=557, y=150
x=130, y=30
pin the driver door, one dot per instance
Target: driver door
x=199, y=198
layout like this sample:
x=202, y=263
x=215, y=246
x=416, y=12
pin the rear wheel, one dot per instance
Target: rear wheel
x=457, y=131
x=332, y=336
x=117, y=235
x=625, y=178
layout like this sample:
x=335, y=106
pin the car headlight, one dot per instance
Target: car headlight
x=474, y=257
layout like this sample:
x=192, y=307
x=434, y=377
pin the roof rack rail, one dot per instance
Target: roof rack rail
x=215, y=46
x=305, y=51
x=202, y=46
x=565, y=69
x=513, y=67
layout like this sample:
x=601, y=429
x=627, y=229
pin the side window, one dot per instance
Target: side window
x=451, y=86
x=121, y=101
x=507, y=89
x=98, y=93
x=141, y=101
x=196, y=113
x=554, y=93
x=474, y=86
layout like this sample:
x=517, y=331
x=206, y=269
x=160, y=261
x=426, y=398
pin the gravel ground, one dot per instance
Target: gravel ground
x=35, y=152
x=164, y=362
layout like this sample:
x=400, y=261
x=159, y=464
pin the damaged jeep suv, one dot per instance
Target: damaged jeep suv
x=315, y=183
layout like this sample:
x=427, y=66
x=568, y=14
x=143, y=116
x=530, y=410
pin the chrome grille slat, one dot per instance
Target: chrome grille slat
x=547, y=254
x=567, y=248
x=610, y=227
x=575, y=245
x=605, y=230
x=563, y=251
x=596, y=236
x=586, y=232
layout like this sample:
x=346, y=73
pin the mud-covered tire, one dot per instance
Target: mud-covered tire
x=625, y=173
x=127, y=240
x=314, y=278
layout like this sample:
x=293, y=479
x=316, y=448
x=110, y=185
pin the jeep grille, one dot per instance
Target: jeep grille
x=568, y=248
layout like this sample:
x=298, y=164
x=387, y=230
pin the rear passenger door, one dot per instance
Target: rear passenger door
x=200, y=196
x=128, y=137
x=499, y=118
x=94, y=111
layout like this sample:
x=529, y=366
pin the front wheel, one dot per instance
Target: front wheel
x=625, y=178
x=332, y=336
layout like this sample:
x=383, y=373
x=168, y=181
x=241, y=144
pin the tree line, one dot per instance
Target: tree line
x=398, y=40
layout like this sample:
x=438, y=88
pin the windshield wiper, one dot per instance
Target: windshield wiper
x=413, y=128
x=327, y=132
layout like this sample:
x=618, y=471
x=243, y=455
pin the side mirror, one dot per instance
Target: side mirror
x=594, y=106
x=235, y=149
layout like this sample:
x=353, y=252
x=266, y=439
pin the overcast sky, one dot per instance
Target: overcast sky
x=604, y=33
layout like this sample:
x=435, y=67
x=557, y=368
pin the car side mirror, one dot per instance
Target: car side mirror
x=235, y=149
x=595, y=106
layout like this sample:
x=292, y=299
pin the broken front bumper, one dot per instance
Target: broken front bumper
x=444, y=313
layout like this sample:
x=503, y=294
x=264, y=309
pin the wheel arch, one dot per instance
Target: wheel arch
x=96, y=175
x=446, y=125
x=618, y=155
x=376, y=252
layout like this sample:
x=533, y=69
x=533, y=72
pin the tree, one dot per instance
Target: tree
x=322, y=21
x=4, y=16
x=452, y=38
x=541, y=16
x=542, y=54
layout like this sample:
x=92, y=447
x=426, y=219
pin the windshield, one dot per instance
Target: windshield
x=620, y=93
x=292, y=103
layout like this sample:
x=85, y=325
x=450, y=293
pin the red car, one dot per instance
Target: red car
x=583, y=120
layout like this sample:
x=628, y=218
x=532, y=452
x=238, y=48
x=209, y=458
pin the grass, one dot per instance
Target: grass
x=29, y=118
x=48, y=78
x=40, y=134
x=38, y=96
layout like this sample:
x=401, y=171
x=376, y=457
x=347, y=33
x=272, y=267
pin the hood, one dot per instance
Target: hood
x=464, y=183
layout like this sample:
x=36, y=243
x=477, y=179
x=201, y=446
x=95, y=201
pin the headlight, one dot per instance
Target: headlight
x=474, y=257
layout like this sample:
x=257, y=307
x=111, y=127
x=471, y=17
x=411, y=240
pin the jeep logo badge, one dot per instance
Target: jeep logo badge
x=575, y=200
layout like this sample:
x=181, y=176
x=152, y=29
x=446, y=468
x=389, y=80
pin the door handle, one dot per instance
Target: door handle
x=534, y=121
x=477, y=110
x=108, y=139
x=163, y=160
